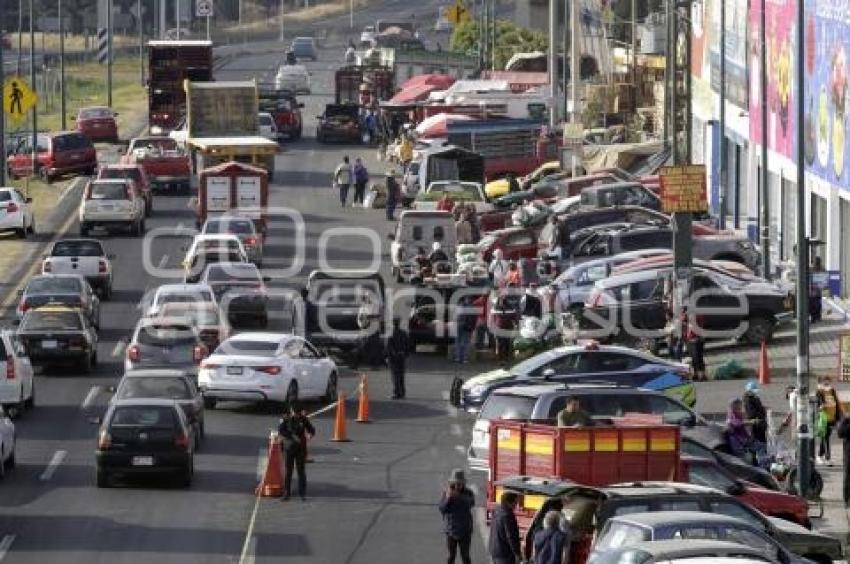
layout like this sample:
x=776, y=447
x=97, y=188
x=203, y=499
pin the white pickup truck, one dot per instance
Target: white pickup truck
x=112, y=203
x=85, y=257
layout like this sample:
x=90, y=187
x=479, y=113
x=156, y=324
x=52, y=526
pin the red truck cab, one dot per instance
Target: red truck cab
x=166, y=165
x=284, y=109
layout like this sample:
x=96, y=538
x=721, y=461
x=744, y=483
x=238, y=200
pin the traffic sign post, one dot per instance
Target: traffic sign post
x=18, y=99
x=457, y=13
x=204, y=9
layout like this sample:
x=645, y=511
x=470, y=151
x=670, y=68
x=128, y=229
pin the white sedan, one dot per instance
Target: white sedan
x=7, y=443
x=260, y=367
x=17, y=386
x=15, y=212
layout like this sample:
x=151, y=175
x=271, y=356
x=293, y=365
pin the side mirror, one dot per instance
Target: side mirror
x=736, y=488
x=111, y=256
x=391, y=236
x=267, y=278
x=111, y=389
x=548, y=373
x=115, y=114
x=301, y=105
x=28, y=200
x=95, y=420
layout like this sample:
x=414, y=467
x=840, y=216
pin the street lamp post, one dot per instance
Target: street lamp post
x=723, y=174
x=32, y=82
x=62, y=109
x=281, y=37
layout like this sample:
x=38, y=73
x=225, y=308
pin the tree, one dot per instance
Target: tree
x=510, y=39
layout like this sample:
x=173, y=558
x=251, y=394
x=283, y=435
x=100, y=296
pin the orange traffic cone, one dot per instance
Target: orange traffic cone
x=363, y=407
x=340, y=435
x=764, y=367
x=272, y=482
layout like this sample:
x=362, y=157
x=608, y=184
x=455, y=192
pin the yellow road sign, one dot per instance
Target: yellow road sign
x=457, y=13
x=18, y=98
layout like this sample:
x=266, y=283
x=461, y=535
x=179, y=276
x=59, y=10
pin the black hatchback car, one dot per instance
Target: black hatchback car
x=145, y=436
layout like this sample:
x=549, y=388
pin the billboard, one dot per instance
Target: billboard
x=780, y=32
x=826, y=95
x=736, y=50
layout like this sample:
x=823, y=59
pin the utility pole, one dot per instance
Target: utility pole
x=689, y=112
x=553, y=63
x=109, y=53
x=724, y=177
x=674, y=80
x=20, y=35
x=351, y=14
x=32, y=82
x=634, y=47
x=62, y=109
x=575, y=72
x=563, y=66
x=668, y=65
x=804, y=429
x=163, y=21
x=765, y=188
x=3, y=117
x=177, y=16
x=281, y=36
x=141, y=43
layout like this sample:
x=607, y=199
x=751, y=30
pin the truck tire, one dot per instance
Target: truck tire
x=84, y=229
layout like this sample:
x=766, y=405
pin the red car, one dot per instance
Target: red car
x=136, y=174
x=705, y=472
x=58, y=154
x=515, y=242
x=98, y=124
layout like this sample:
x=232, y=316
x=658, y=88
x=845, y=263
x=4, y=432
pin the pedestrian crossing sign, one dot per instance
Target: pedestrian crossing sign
x=18, y=98
x=458, y=13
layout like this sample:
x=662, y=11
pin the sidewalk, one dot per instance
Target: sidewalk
x=836, y=518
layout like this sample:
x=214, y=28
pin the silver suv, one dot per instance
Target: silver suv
x=112, y=203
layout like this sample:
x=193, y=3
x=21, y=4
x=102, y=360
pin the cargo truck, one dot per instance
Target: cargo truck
x=170, y=64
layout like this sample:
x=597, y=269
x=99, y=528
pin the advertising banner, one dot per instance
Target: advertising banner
x=736, y=51
x=826, y=101
x=780, y=34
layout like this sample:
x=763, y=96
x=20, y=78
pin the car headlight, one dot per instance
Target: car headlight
x=477, y=390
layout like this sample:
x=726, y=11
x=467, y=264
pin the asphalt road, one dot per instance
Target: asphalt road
x=370, y=500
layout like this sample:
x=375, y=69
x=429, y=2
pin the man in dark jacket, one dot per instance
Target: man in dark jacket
x=755, y=411
x=398, y=347
x=503, y=544
x=294, y=428
x=456, y=506
x=843, y=432
x=552, y=543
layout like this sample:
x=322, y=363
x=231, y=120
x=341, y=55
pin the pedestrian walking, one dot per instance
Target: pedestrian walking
x=342, y=179
x=393, y=195
x=294, y=429
x=498, y=268
x=696, y=345
x=456, y=506
x=755, y=411
x=482, y=331
x=398, y=347
x=465, y=322
x=552, y=543
x=503, y=543
x=463, y=229
x=361, y=178
x=828, y=398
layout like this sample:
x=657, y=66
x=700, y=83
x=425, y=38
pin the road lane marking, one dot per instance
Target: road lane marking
x=93, y=393
x=249, y=535
x=118, y=349
x=252, y=551
x=162, y=261
x=461, y=449
x=5, y=545
x=456, y=430
x=58, y=458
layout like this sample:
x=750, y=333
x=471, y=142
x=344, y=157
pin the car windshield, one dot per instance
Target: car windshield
x=344, y=292
x=162, y=335
x=616, y=534
x=457, y=192
x=130, y=173
x=77, y=249
x=233, y=272
x=70, y=142
x=184, y=298
x=265, y=119
x=198, y=315
x=5, y=195
x=58, y=285
x=163, y=144
x=144, y=416
x=108, y=191
x=243, y=347
x=96, y=113
x=226, y=226
x=154, y=387
x=529, y=365
x=52, y=321
x=499, y=406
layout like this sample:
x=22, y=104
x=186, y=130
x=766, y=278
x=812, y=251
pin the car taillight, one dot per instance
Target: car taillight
x=104, y=440
x=47, y=266
x=250, y=241
x=10, y=369
x=182, y=440
x=134, y=354
x=270, y=370
x=199, y=352
x=24, y=306
x=101, y=266
x=11, y=207
x=205, y=364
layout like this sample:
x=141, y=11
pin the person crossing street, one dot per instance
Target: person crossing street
x=294, y=429
x=398, y=347
x=342, y=179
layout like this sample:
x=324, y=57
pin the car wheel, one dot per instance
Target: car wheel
x=85, y=365
x=2, y=463
x=32, y=226
x=22, y=232
x=106, y=292
x=186, y=474
x=292, y=393
x=760, y=329
x=11, y=462
x=84, y=230
x=43, y=174
x=30, y=401
x=209, y=403
x=331, y=390
x=14, y=410
x=197, y=433
x=101, y=477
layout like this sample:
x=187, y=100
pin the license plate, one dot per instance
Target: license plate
x=234, y=370
x=107, y=207
x=49, y=344
x=142, y=461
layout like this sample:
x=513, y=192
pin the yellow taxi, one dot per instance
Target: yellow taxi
x=499, y=187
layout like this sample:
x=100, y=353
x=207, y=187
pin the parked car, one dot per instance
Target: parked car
x=304, y=48
x=58, y=154
x=707, y=472
x=7, y=444
x=17, y=386
x=205, y=317
x=240, y=289
x=339, y=122
x=469, y=193
x=418, y=230
x=542, y=402
x=165, y=342
x=589, y=509
x=615, y=365
x=242, y=227
x=623, y=530
x=136, y=174
x=144, y=436
x=707, y=447
x=70, y=290
x=110, y=204
x=729, y=307
x=85, y=257
x=620, y=194
x=98, y=123
x=267, y=367
x=266, y=126
x=15, y=213
x=58, y=334
x=166, y=383
x=179, y=294
x=514, y=242
x=684, y=551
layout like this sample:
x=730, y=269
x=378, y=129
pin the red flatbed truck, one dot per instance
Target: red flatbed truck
x=170, y=63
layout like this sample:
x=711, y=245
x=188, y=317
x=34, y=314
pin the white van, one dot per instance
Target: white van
x=294, y=78
x=417, y=230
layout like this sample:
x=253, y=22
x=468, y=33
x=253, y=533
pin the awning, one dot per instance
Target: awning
x=438, y=125
x=412, y=94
